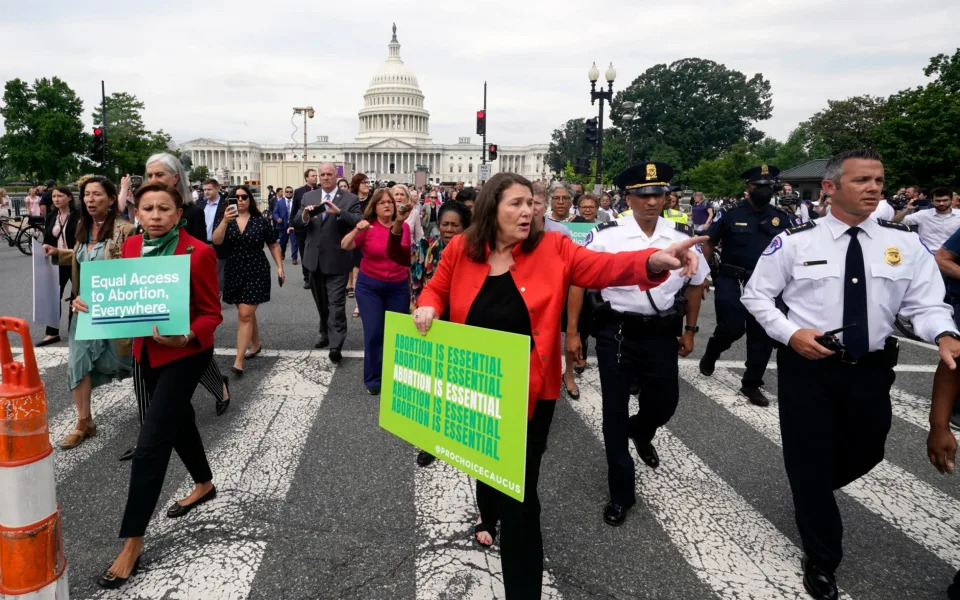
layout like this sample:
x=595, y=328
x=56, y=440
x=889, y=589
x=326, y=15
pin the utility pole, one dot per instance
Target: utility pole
x=483, y=153
x=307, y=111
x=103, y=116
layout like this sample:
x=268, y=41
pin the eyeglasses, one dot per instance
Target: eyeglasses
x=243, y=197
x=560, y=198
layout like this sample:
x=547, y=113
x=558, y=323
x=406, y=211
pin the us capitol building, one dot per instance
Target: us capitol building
x=392, y=141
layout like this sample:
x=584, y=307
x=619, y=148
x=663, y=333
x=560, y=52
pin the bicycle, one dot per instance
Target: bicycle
x=27, y=230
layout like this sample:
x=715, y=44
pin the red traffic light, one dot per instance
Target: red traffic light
x=97, y=131
x=481, y=114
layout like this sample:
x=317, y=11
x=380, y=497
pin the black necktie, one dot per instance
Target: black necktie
x=857, y=338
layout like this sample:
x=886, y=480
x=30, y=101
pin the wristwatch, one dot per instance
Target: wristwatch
x=693, y=328
x=936, y=340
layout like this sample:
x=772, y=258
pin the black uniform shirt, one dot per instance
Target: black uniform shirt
x=745, y=232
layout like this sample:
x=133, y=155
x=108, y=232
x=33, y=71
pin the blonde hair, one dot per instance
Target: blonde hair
x=400, y=186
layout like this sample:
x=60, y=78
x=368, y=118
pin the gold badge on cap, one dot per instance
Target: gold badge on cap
x=764, y=170
x=651, y=171
x=775, y=221
x=892, y=256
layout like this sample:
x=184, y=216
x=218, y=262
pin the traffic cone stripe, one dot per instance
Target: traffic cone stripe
x=38, y=479
x=31, y=557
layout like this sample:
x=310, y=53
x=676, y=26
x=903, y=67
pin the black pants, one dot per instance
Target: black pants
x=653, y=360
x=64, y=280
x=521, y=541
x=834, y=420
x=330, y=295
x=169, y=425
x=301, y=240
x=733, y=320
x=211, y=379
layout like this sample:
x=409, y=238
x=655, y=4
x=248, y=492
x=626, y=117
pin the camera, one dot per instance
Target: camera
x=136, y=181
x=791, y=199
x=899, y=202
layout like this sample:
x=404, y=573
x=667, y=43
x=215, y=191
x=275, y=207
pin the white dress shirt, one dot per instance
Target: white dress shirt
x=934, y=228
x=626, y=235
x=808, y=267
x=209, y=214
x=883, y=211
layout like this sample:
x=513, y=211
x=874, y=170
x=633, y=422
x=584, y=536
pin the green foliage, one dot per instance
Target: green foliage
x=44, y=134
x=720, y=177
x=129, y=142
x=200, y=173
x=568, y=143
x=849, y=123
x=696, y=107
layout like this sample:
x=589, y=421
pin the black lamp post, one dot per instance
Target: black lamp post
x=594, y=75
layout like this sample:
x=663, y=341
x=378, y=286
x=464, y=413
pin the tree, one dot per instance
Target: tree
x=199, y=173
x=44, y=134
x=849, y=123
x=720, y=177
x=568, y=143
x=129, y=142
x=918, y=136
x=695, y=106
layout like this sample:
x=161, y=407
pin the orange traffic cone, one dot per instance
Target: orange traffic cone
x=31, y=544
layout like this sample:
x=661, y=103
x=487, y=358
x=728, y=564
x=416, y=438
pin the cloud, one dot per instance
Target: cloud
x=233, y=70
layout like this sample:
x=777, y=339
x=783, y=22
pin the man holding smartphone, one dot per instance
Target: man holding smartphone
x=213, y=206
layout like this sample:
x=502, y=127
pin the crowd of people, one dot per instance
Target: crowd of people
x=503, y=257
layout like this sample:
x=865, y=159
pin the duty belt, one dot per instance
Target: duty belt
x=735, y=271
x=636, y=325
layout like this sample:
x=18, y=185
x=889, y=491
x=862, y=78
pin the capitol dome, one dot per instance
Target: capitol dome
x=393, y=103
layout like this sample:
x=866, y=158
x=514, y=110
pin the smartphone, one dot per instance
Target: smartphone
x=232, y=201
x=136, y=181
x=280, y=280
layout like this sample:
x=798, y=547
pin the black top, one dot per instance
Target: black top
x=579, y=219
x=745, y=232
x=247, y=270
x=68, y=231
x=500, y=306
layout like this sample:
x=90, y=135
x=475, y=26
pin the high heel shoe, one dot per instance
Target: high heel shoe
x=237, y=372
x=111, y=581
x=223, y=405
x=178, y=510
x=86, y=428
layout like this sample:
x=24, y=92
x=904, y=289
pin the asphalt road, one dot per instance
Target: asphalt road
x=316, y=501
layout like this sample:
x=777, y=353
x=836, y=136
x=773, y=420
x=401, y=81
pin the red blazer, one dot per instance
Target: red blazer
x=543, y=278
x=204, y=300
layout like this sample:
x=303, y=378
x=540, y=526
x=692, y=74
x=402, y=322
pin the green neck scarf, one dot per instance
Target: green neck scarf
x=163, y=245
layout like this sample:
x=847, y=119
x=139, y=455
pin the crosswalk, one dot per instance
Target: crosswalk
x=725, y=536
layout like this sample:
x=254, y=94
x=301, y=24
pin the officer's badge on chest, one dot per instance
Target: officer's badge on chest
x=892, y=256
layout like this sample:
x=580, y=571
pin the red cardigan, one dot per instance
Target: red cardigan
x=205, y=313
x=543, y=278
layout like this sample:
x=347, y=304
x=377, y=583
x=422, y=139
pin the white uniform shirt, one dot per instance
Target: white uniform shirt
x=934, y=228
x=808, y=267
x=627, y=235
x=883, y=211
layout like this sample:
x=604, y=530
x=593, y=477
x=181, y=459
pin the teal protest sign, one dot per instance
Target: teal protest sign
x=127, y=297
x=460, y=393
x=580, y=231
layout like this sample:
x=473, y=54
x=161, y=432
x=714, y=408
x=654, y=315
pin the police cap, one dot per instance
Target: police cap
x=645, y=179
x=762, y=175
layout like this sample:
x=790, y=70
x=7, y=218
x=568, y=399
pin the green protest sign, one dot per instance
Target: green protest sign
x=460, y=393
x=127, y=297
x=580, y=231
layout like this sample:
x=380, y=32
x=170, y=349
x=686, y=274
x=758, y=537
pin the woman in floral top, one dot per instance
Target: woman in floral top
x=453, y=218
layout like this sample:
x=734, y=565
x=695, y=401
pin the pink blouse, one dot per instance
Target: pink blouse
x=377, y=262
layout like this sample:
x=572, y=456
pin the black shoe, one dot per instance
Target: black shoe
x=953, y=592
x=580, y=370
x=110, y=581
x=755, y=396
x=128, y=455
x=223, y=405
x=179, y=510
x=54, y=340
x=323, y=343
x=254, y=354
x=335, y=355
x=708, y=364
x=237, y=372
x=306, y=285
x=648, y=454
x=818, y=583
x=424, y=458
x=634, y=389
x=615, y=514
x=373, y=391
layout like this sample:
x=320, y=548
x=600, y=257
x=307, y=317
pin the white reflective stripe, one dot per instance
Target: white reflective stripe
x=28, y=494
x=58, y=590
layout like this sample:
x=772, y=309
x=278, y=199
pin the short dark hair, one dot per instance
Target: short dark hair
x=355, y=183
x=940, y=191
x=307, y=173
x=211, y=181
x=589, y=196
x=156, y=186
x=483, y=230
x=467, y=193
x=287, y=188
x=370, y=212
x=457, y=207
x=69, y=194
x=834, y=168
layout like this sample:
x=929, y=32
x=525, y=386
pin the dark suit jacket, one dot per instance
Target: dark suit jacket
x=222, y=253
x=280, y=212
x=196, y=221
x=322, y=250
x=298, y=204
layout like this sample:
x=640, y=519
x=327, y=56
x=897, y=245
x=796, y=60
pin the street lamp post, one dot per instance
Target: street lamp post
x=307, y=111
x=629, y=114
x=594, y=75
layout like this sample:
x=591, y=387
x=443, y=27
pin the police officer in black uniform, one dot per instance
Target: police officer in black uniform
x=641, y=334
x=743, y=232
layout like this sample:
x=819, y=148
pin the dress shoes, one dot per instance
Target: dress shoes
x=323, y=343
x=615, y=514
x=708, y=364
x=953, y=592
x=373, y=391
x=54, y=340
x=335, y=355
x=818, y=583
x=306, y=285
x=110, y=581
x=294, y=261
x=424, y=458
x=648, y=454
x=755, y=396
x=179, y=510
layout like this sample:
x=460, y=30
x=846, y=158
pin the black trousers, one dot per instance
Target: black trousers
x=733, y=320
x=653, y=360
x=330, y=295
x=301, y=241
x=211, y=379
x=834, y=420
x=169, y=425
x=64, y=280
x=521, y=541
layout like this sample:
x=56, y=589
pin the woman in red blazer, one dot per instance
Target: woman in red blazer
x=171, y=367
x=506, y=273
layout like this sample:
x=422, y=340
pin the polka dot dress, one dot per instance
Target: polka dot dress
x=247, y=272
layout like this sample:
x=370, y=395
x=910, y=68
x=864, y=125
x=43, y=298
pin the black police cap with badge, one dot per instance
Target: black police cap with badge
x=645, y=179
x=762, y=175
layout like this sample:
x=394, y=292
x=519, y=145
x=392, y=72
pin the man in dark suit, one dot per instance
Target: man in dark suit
x=282, y=213
x=310, y=177
x=327, y=215
x=213, y=206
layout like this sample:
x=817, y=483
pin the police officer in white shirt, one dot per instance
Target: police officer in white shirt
x=637, y=332
x=843, y=270
x=934, y=225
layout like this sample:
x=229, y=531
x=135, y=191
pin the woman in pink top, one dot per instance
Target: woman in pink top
x=33, y=202
x=384, y=239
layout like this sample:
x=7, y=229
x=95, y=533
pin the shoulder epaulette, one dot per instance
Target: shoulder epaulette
x=802, y=227
x=683, y=228
x=606, y=225
x=892, y=225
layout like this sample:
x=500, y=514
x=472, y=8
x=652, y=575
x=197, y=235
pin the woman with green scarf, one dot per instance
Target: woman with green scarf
x=170, y=369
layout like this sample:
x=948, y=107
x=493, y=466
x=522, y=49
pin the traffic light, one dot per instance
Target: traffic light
x=592, y=131
x=491, y=152
x=583, y=166
x=96, y=151
x=481, y=122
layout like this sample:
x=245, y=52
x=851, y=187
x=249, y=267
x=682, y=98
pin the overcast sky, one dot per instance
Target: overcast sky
x=233, y=69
